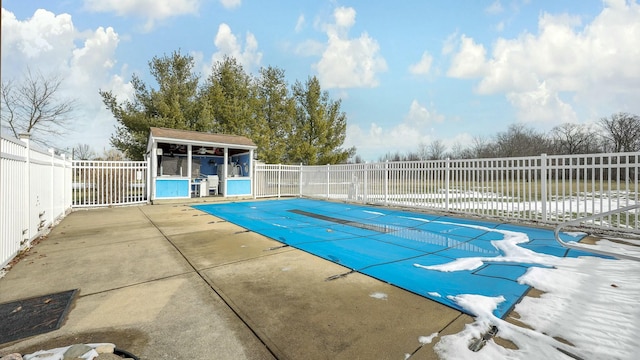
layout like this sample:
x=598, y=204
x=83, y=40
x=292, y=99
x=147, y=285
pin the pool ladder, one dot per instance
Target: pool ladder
x=583, y=247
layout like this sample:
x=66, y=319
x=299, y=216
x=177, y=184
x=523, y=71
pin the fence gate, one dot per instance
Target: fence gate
x=106, y=183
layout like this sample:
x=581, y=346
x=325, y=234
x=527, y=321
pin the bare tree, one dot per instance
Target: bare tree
x=437, y=150
x=33, y=105
x=393, y=156
x=423, y=151
x=520, y=140
x=111, y=155
x=459, y=151
x=411, y=156
x=571, y=138
x=621, y=132
x=83, y=152
x=482, y=147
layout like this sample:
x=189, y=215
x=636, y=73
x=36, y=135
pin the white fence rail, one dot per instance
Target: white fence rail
x=108, y=183
x=34, y=193
x=549, y=189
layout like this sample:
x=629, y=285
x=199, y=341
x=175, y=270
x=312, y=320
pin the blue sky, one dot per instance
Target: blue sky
x=407, y=72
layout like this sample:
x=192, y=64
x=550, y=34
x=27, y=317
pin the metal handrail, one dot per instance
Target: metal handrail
x=577, y=246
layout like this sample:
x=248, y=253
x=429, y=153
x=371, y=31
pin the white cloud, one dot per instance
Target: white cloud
x=151, y=10
x=300, y=23
x=376, y=141
x=43, y=40
x=95, y=56
x=419, y=116
x=406, y=136
x=594, y=65
x=542, y=105
x=46, y=42
x=228, y=44
x=120, y=88
x=349, y=62
x=423, y=66
x=345, y=17
x=230, y=4
x=450, y=44
x=469, y=62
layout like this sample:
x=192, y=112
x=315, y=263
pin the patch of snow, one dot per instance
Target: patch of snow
x=615, y=247
x=576, y=234
x=379, y=296
x=590, y=302
x=478, y=305
x=415, y=218
x=427, y=339
x=508, y=246
x=470, y=263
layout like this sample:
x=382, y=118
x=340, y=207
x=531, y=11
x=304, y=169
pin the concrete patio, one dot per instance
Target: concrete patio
x=171, y=282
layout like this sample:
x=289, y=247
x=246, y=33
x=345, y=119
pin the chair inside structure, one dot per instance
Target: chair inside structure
x=212, y=183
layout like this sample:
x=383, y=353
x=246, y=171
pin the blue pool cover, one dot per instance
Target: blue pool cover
x=386, y=244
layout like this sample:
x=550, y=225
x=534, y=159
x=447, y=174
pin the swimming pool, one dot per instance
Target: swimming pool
x=411, y=250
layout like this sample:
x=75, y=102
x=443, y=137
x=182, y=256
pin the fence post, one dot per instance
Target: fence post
x=386, y=183
x=53, y=179
x=149, y=177
x=447, y=176
x=328, y=186
x=543, y=185
x=64, y=184
x=365, y=181
x=279, y=179
x=254, y=181
x=300, y=181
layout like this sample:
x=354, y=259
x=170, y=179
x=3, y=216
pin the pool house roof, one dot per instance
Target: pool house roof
x=200, y=138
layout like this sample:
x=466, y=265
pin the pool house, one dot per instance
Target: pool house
x=185, y=164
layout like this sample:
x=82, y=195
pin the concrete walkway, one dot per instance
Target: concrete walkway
x=171, y=282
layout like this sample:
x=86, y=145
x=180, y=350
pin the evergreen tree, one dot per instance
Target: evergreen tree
x=174, y=104
x=229, y=95
x=319, y=127
x=275, y=114
x=288, y=126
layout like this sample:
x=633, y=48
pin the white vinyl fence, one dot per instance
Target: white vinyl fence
x=38, y=187
x=108, y=183
x=276, y=180
x=34, y=193
x=549, y=189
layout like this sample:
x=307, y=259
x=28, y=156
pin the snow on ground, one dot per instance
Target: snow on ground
x=589, y=308
x=618, y=245
x=379, y=296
